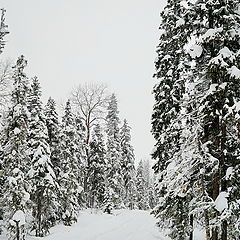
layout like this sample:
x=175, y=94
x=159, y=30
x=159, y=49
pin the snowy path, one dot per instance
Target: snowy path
x=124, y=225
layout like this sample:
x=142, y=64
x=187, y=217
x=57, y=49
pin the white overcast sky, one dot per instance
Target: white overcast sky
x=68, y=42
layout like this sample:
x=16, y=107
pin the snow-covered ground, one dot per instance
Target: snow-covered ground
x=122, y=225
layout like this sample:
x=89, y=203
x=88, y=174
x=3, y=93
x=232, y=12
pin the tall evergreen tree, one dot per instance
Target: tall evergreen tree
x=219, y=65
x=41, y=176
x=53, y=133
x=97, y=168
x=152, y=192
x=69, y=175
x=115, y=184
x=142, y=193
x=200, y=170
x=15, y=155
x=127, y=166
x=170, y=88
x=171, y=67
x=81, y=153
x=53, y=127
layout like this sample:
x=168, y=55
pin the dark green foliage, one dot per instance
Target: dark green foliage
x=127, y=166
x=114, y=186
x=97, y=168
x=197, y=132
x=70, y=168
x=41, y=176
x=142, y=188
x=53, y=134
x=15, y=157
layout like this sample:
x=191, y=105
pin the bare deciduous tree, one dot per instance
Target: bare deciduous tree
x=90, y=101
x=5, y=82
x=5, y=67
x=3, y=29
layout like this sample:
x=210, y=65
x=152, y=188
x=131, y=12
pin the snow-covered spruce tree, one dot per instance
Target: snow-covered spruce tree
x=219, y=64
x=142, y=191
x=69, y=174
x=81, y=154
x=170, y=66
x=127, y=166
x=170, y=88
x=150, y=180
x=152, y=192
x=53, y=127
x=207, y=161
x=53, y=134
x=15, y=156
x=41, y=177
x=115, y=183
x=97, y=168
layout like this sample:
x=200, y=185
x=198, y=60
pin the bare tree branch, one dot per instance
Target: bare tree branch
x=5, y=82
x=90, y=101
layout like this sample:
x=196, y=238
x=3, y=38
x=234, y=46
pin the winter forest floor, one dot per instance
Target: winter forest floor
x=121, y=225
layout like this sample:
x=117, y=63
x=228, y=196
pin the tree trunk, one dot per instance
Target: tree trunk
x=191, y=224
x=17, y=230
x=238, y=127
x=39, y=230
x=224, y=223
x=207, y=228
x=224, y=230
x=215, y=193
x=215, y=233
x=86, y=177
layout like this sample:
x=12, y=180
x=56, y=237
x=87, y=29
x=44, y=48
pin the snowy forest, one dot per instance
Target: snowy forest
x=53, y=165
x=69, y=170
x=196, y=121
